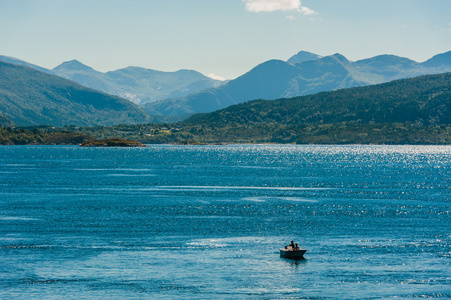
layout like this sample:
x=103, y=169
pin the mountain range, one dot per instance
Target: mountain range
x=136, y=84
x=406, y=111
x=31, y=97
x=303, y=74
x=423, y=100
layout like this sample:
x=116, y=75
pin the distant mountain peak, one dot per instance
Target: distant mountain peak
x=74, y=65
x=273, y=66
x=339, y=57
x=386, y=62
x=302, y=56
x=439, y=60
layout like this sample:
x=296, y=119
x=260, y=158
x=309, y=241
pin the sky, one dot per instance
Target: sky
x=219, y=38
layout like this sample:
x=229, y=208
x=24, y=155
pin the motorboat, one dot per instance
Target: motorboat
x=292, y=252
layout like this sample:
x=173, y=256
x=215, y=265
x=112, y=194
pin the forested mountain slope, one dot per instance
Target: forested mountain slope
x=306, y=74
x=422, y=100
x=30, y=97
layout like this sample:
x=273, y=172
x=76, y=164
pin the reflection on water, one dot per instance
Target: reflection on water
x=300, y=261
x=197, y=222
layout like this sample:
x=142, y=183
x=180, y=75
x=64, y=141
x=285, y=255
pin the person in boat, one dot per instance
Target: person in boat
x=296, y=247
x=292, y=245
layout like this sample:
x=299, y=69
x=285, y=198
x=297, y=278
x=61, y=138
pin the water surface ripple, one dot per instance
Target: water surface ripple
x=203, y=222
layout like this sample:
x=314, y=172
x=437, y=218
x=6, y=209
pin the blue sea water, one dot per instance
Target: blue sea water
x=204, y=222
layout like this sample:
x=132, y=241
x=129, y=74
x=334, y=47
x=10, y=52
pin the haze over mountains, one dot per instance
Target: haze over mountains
x=31, y=97
x=306, y=74
x=423, y=100
x=136, y=84
x=405, y=111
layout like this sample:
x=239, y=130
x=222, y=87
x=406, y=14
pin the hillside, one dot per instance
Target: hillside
x=270, y=80
x=30, y=97
x=408, y=111
x=306, y=74
x=422, y=100
x=138, y=85
x=19, y=62
x=302, y=56
x=267, y=80
x=439, y=61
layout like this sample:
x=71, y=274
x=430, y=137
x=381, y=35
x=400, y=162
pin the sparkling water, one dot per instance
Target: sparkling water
x=198, y=222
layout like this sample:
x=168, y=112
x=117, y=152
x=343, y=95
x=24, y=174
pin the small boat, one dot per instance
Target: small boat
x=292, y=252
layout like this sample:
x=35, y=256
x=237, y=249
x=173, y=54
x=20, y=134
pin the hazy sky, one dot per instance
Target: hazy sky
x=222, y=37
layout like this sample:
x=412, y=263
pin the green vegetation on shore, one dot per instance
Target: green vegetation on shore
x=342, y=133
x=20, y=136
x=388, y=133
x=114, y=142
